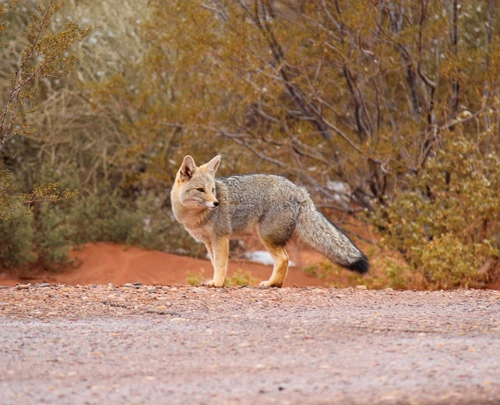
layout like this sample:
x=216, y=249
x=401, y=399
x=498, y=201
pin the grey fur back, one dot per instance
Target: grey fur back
x=271, y=202
x=281, y=209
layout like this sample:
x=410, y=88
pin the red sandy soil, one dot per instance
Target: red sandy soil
x=103, y=263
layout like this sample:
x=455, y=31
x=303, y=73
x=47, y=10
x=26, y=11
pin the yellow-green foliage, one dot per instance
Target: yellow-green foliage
x=42, y=54
x=195, y=279
x=16, y=240
x=240, y=278
x=336, y=276
x=446, y=219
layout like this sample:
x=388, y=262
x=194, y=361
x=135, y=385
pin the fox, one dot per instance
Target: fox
x=215, y=210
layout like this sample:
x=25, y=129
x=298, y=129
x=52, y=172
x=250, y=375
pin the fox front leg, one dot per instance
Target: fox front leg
x=219, y=253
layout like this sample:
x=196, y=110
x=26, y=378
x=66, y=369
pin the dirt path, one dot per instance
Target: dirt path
x=193, y=345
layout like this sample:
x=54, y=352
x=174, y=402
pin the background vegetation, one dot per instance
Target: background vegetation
x=387, y=111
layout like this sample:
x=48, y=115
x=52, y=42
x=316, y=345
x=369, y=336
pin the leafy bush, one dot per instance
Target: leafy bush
x=446, y=221
x=16, y=240
x=240, y=278
x=100, y=216
x=41, y=237
x=105, y=215
x=51, y=234
x=195, y=279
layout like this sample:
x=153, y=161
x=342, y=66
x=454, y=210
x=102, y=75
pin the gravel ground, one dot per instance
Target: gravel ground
x=168, y=345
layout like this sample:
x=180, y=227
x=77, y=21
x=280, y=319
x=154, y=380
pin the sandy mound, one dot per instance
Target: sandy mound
x=103, y=263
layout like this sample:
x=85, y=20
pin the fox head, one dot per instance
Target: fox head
x=195, y=186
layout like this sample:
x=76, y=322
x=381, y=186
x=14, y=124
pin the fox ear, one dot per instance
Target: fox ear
x=188, y=167
x=213, y=165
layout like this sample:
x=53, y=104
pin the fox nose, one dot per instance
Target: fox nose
x=216, y=203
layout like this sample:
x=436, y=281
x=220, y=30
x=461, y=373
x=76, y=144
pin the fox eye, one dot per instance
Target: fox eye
x=201, y=190
x=213, y=190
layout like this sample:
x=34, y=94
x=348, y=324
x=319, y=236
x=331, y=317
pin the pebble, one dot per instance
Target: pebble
x=23, y=286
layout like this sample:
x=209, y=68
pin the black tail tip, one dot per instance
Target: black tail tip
x=360, y=266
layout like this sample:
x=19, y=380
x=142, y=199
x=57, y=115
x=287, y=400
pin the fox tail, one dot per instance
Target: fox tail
x=322, y=235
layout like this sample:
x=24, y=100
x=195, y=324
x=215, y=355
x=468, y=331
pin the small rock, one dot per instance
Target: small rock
x=361, y=287
x=23, y=286
x=43, y=285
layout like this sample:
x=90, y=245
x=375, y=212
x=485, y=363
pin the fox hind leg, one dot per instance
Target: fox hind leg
x=280, y=268
x=274, y=232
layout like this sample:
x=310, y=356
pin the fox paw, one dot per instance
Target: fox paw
x=269, y=284
x=211, y=283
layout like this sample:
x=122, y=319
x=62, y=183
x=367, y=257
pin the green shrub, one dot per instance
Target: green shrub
x=51, y=237
x=446, y=221
x=99, y=216
x=323, y=270
x=195, y=279
x=43, y=236
x=240, y=278
x=16, y=240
